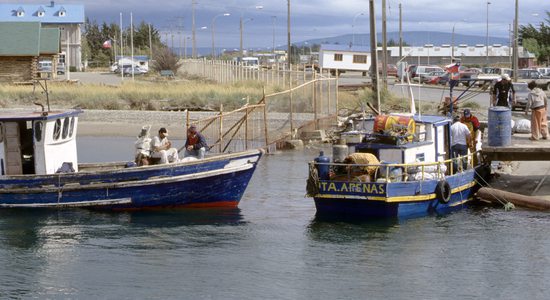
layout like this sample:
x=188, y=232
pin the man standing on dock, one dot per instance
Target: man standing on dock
x=460, y=139
x=501, y=92
x=537, y=103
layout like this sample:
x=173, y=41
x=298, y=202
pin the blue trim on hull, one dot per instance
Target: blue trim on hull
x=379, y=209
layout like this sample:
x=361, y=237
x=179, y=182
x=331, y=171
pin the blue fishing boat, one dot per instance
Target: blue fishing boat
x=39, y=168
x=402, y=167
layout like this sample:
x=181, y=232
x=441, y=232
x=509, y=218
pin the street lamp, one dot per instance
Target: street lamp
x=353, y=27
x=273, y=18
x=213, y=34
x=242, y=22
x=487, y=37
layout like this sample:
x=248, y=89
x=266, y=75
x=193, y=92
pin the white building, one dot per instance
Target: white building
x=341, y=58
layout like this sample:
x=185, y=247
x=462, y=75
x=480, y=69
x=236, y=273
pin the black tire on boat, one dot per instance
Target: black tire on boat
x=443, y=192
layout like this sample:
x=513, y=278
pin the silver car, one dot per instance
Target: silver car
x=522, y=91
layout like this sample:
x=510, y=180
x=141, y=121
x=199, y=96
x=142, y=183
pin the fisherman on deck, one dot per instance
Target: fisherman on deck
x=196, y=143
x=460, y=139
x=162, y=148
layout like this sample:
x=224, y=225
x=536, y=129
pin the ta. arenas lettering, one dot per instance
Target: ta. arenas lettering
x=359, y=187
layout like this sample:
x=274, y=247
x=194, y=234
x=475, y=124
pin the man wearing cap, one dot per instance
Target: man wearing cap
x=460, y=139
x=472, y=123
x=195, y=145
x=501, y=91
x=162, y=148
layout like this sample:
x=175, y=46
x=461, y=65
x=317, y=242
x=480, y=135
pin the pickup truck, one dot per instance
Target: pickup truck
x=528, y=75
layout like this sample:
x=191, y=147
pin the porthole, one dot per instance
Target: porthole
x=65, y=127
x=38, y=131
x=57, y=130
x=71, y=130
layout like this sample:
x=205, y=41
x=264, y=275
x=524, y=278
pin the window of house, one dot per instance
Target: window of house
x=57, y=130
x=20, y=12
x=62, y=12
x=359, y=59
x=40, y=13
x=338, y=57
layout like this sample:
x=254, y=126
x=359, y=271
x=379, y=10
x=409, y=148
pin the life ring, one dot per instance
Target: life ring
x=443, y=192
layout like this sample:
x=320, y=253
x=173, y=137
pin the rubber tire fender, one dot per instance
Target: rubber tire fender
x=443, y=192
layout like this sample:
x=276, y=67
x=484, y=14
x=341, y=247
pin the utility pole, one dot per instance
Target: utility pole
x=194, y=50
x=288, y=35
x=516, y=48
x=400, y=32
x=374, y=55
x=150, y=44
x=384, y=47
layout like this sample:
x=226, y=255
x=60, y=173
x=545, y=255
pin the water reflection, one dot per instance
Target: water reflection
x=338, y=230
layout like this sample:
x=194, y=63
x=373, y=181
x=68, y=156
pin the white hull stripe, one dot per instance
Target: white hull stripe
x=72, y=204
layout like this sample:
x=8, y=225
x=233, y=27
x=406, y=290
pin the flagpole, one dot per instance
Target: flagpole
x=132, y=42
x=121, y=51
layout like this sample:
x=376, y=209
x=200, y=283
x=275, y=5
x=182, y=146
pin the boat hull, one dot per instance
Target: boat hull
x=213, y=182
x=394, y=200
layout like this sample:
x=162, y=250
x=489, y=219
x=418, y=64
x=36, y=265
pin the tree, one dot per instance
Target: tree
x=536, y=40
x=166, y=60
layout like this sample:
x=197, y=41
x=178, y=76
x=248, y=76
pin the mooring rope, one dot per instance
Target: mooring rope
x=506, y=204
x=312, y=186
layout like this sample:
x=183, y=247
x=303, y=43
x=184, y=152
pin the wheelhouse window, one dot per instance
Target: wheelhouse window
x=338, y=57
x=57, y=130
x=38, y=126
x=71, y=130
x=66, y=122
x=359, y=59
x=1, y=132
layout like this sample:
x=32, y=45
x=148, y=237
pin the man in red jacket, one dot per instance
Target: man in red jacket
x=472, y=123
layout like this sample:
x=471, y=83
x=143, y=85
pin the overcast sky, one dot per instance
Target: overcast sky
x=309, y=18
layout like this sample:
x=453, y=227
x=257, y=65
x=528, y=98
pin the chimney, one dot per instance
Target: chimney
x=52, y=4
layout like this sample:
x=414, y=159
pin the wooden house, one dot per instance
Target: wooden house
x=23, y=45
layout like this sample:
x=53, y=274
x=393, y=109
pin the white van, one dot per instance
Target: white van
x=544, y=71
x=251, y=62
x=45, y=66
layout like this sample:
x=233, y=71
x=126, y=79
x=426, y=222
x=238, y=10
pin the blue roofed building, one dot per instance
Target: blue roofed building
x=68, y=18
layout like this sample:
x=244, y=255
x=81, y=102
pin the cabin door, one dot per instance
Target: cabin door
x=12, y=148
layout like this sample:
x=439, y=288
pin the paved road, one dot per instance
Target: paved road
x=106, y=78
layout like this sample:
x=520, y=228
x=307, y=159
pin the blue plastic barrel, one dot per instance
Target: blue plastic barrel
x=500, y=126
x=324, y=168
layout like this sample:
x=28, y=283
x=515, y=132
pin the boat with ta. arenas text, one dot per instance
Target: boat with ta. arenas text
x=401, y=166
x=39, y=168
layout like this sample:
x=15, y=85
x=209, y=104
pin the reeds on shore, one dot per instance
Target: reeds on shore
x=137, y=96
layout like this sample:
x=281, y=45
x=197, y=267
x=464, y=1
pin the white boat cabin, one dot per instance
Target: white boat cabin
x=36, y=142
x=429, y=140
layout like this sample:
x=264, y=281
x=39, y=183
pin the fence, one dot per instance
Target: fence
x=309, y=102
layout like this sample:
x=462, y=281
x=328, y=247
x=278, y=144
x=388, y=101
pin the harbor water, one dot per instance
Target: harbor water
x=271, y=247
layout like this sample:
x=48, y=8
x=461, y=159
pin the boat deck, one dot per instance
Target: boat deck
x=521, y=149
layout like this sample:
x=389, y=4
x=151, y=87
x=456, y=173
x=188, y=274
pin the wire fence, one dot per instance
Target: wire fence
x=309, y=102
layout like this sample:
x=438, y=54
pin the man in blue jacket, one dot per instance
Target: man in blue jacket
x=195, y=145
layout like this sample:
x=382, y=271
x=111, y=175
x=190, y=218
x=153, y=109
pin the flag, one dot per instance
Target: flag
x=107, y=44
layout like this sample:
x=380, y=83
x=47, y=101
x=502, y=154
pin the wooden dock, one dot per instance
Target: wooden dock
x=522, y=149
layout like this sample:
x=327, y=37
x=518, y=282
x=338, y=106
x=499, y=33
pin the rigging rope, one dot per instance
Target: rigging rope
x=506, y=204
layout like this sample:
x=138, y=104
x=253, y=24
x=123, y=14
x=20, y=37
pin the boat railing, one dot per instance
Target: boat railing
x=391, y=172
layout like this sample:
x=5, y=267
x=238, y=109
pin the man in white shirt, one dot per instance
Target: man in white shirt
x=162, y=148
x=460, y=140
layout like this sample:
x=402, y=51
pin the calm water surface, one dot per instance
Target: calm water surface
x=271, y=247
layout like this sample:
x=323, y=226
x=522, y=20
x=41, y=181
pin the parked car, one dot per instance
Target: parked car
x=522, y=91
x=419, y=70
x=136, y=71
x=544, y=71
x=45, y=66
x=60, y=68
x=431, y=78
x=391, y=70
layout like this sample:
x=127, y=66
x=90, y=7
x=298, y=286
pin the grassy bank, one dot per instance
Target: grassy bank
x=136, y=96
